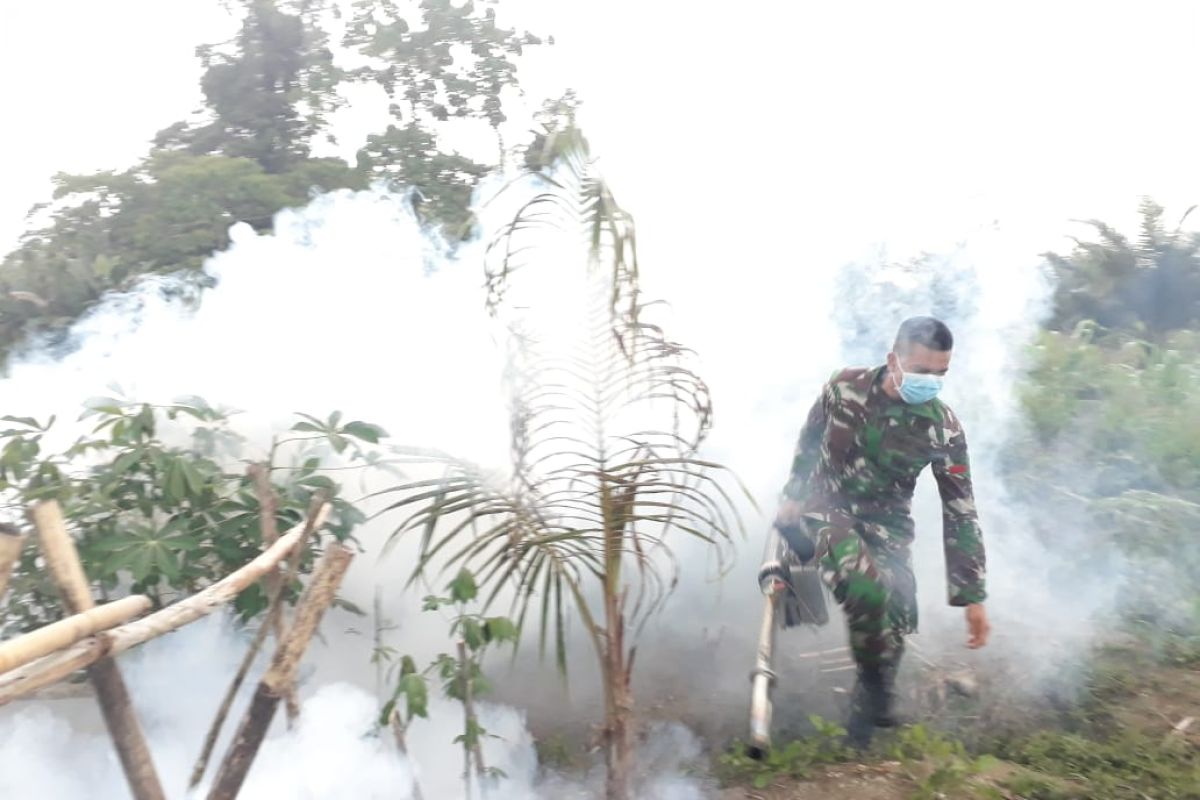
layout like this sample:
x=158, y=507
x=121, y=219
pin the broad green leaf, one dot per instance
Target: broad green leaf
x=28, y=422
x=472, y=633
x=499, y=629
x=365, y=431
x=193, y=479
x=416, y=694
x=463, y=589
x=175, y=486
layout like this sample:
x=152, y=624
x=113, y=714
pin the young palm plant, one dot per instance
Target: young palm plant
x=606, y=421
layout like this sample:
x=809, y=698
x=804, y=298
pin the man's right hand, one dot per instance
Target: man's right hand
x=791, y=512
x=790, y=523
x=978, y=628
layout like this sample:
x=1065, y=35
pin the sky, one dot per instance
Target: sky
x=894, y=113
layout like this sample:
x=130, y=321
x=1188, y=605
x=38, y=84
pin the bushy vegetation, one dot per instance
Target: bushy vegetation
x=250, y=151
x=160, y=501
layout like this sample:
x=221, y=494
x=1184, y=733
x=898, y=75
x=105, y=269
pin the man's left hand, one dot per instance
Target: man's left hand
x=978, y=628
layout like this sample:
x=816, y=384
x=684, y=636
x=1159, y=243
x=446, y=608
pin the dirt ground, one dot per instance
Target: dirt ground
x=1158, y=700
x=881, y=781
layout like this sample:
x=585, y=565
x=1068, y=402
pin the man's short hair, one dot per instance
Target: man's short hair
x=925, y=331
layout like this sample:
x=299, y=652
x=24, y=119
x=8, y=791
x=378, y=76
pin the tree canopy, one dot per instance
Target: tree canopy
x=249, y=151
x=1149, y=287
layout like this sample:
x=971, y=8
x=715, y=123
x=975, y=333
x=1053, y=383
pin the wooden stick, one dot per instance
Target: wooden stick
x=282, y=672
x=66, y=632
x=275, y=613
x=268, y=505
x=318, y=512
x=53, y=668
x=11, y=541
x=62, y=560
x=33, y=676
x=267, y=501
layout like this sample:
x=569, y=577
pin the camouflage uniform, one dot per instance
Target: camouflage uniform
x=854, y=471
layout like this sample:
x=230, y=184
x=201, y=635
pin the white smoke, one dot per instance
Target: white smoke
x=350, y=305
x=333, y=752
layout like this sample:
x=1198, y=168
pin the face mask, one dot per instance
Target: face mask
x=917, y=388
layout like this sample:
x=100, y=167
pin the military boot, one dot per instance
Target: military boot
x=871, y=705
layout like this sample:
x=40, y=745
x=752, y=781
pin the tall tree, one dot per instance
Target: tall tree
x=437, y=61
x=267, y=92
x=1148, y=287
x=606, y=423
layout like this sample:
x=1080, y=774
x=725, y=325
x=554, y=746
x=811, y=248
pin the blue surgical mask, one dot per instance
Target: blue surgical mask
x=918, y=387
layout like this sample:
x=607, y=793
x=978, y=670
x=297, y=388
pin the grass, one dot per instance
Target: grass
x=1117, y=744
x=795, y=759
x=1129, y=766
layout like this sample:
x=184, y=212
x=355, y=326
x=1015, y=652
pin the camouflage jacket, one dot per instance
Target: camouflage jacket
x=859, y=454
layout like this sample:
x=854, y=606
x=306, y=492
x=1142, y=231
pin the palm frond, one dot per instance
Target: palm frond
x=607, y=416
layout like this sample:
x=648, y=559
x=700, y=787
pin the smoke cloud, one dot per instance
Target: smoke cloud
x=350, y=305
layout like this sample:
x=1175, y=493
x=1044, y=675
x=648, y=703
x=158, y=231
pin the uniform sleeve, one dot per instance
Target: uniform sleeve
x=962, y=537
x=808, y=447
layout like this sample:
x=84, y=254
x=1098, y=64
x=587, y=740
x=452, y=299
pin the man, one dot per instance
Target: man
x=868, y=436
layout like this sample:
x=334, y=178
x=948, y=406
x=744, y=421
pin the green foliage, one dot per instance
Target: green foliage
x=441, y=183
x=442, y=59
x=557, y=132
x=248, y=154
x=438, y=61
x=168, y=214
x=477, y=632
x=150, y=499
x=268, y=91
x=939, y=765
x=556, y=752
x=1145, y=288
x=1126, y=406
x=1112, y=440
x=795, y=759
x=605, y=444
x=1128, y=766
x=412, y=687
x=589, y=503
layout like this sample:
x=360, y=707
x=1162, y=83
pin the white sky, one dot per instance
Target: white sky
x=890, y=117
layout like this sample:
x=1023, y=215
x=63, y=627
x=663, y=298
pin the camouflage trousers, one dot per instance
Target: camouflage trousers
x=871, y=576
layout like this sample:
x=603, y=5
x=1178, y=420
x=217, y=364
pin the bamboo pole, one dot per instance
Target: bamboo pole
x=62, y=560
x=317, y=513
x=55, y=667
x=268, y=504
x=282, y=672
x=66, y=632
x=11, y=541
